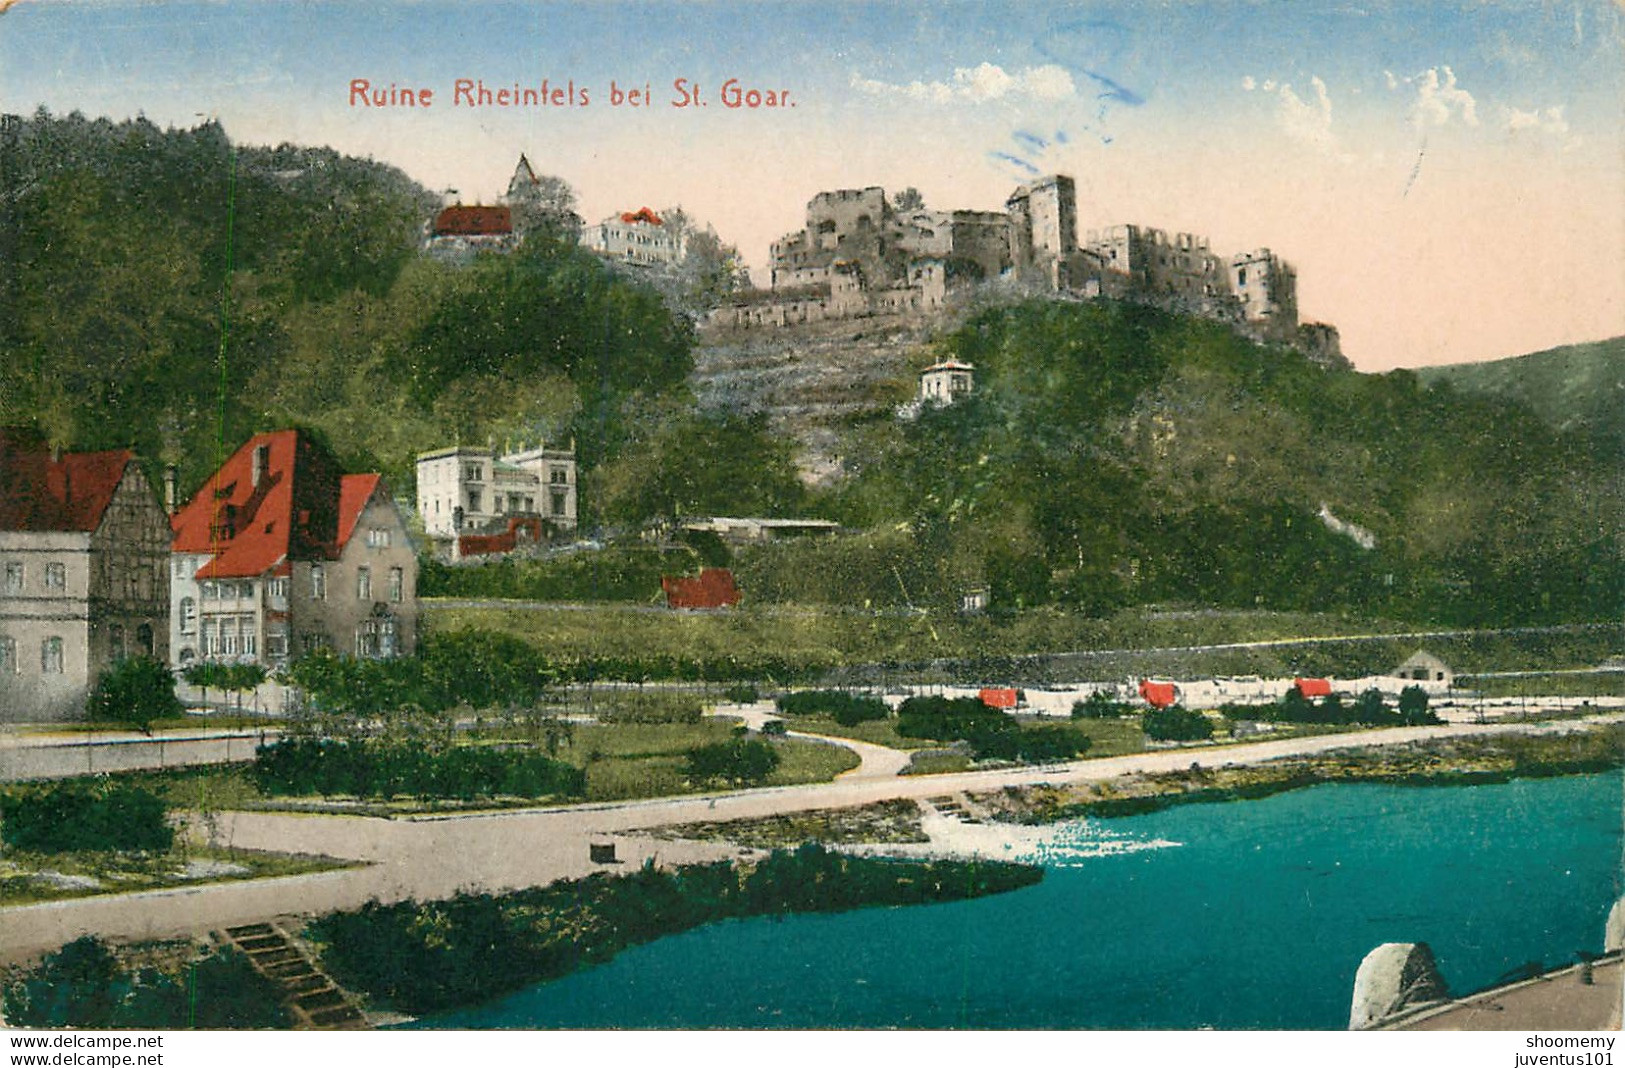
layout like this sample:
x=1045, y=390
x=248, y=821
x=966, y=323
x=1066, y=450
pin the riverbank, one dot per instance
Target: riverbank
x=1449, y=761
x=425, y=957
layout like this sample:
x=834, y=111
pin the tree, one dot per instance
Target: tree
x=135, y=691
x=1370, y=707
x=907, y=200
x=1413, y=707
x=740, y=761
x=1098, y=705
x=1176, y=724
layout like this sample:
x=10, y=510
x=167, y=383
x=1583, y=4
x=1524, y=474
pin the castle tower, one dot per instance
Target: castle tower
x=1044, y=227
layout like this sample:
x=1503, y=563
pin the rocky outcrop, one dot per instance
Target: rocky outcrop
x=1393, y=978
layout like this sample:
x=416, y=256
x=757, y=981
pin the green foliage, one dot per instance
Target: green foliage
x=1413, y=707
x=742, y=693
x=328, y=767
x=741, y=762
x=76, y=817
x=1176, y=724
x=653, y=706
x=615, y=573
x=1115, y=454
x=210, y=675
x=135, y=691
x=1099, y=705
x=433, y=956
x=847, y=709
x=993, y=735
x=698, y=464
x=84, y=985
x=124, y=233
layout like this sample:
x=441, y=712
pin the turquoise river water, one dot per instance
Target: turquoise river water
x=1239, y=915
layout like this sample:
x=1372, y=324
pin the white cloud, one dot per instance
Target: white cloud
x=1308, y=121
x=987, y=81
x=1248, y=84
x=1439, y=98
x=1388, y=76
x=1549, y=121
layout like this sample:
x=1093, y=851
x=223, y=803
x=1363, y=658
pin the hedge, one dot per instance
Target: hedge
x=328, y=767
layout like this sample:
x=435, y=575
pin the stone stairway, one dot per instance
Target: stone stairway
x=315, y=1001
x=955, y=807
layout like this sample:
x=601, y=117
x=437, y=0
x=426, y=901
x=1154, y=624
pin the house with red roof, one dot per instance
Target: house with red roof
x=460, y=230
x=84, y=555
x=637, y=238
x=281, y=553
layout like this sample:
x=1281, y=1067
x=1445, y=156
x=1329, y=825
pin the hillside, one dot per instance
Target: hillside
x=1115, y=454
x=1578, y=388
x=170, y=290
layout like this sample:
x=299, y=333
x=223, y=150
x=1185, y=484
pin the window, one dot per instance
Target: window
x=247, y=636
x=276, y=641
x=363, y=583
x=375, y=638
x=558, y=502
x=277, y=589
x=558, y=476
x=397, y=584
x=211, y=638
x=318, y=582
x=14, y=578
x=8, y=657
x=228, y=636
x=50, y=656
x=56, y=577
x=474, y=501
x=377, y=539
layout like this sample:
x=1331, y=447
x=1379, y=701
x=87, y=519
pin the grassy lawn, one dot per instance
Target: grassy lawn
x=763, y=639
x=1580, y=687
x=28, y=878
x=636, y=760
x=877, y=731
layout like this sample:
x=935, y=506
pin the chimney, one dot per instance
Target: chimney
x=172, y=478
x=262, y=460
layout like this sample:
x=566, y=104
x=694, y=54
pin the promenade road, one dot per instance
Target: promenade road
x=435, y=856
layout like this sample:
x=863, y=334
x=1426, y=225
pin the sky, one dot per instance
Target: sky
x=1448, y=178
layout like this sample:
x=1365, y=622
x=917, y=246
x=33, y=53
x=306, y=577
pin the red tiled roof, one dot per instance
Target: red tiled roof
x=1159, y=694
x=39, y=492
x=713, y=589
x=506, y=542
x=998, y=696
x=303, y=508
x=473, y=220
x=641, y=215
x=1313, y=687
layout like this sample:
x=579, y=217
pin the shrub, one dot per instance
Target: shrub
x=847, y=709
x=652, y=707
x=992, y=734
x=1176, y=724
x=84, y=985
x=1099, y=705
x=742, y=693
x=1413, y=707
x=327, y=767
x=74, y=817
x=135, y=691
x=739, y=761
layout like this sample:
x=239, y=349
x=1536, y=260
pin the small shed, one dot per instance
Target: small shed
x=1313, y=687
x=714, y=588
x=1159, y=694
x=1423, y=666
x=1000, y=697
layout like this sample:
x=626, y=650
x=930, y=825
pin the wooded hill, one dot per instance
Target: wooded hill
x=166, y=289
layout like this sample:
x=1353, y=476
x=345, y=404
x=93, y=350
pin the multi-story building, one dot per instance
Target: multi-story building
x=466, y=490
x=84, y=547
x=281, y=553
x=636, y=238
x=459, y=231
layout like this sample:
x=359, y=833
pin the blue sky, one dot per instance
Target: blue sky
x=1447, y=177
